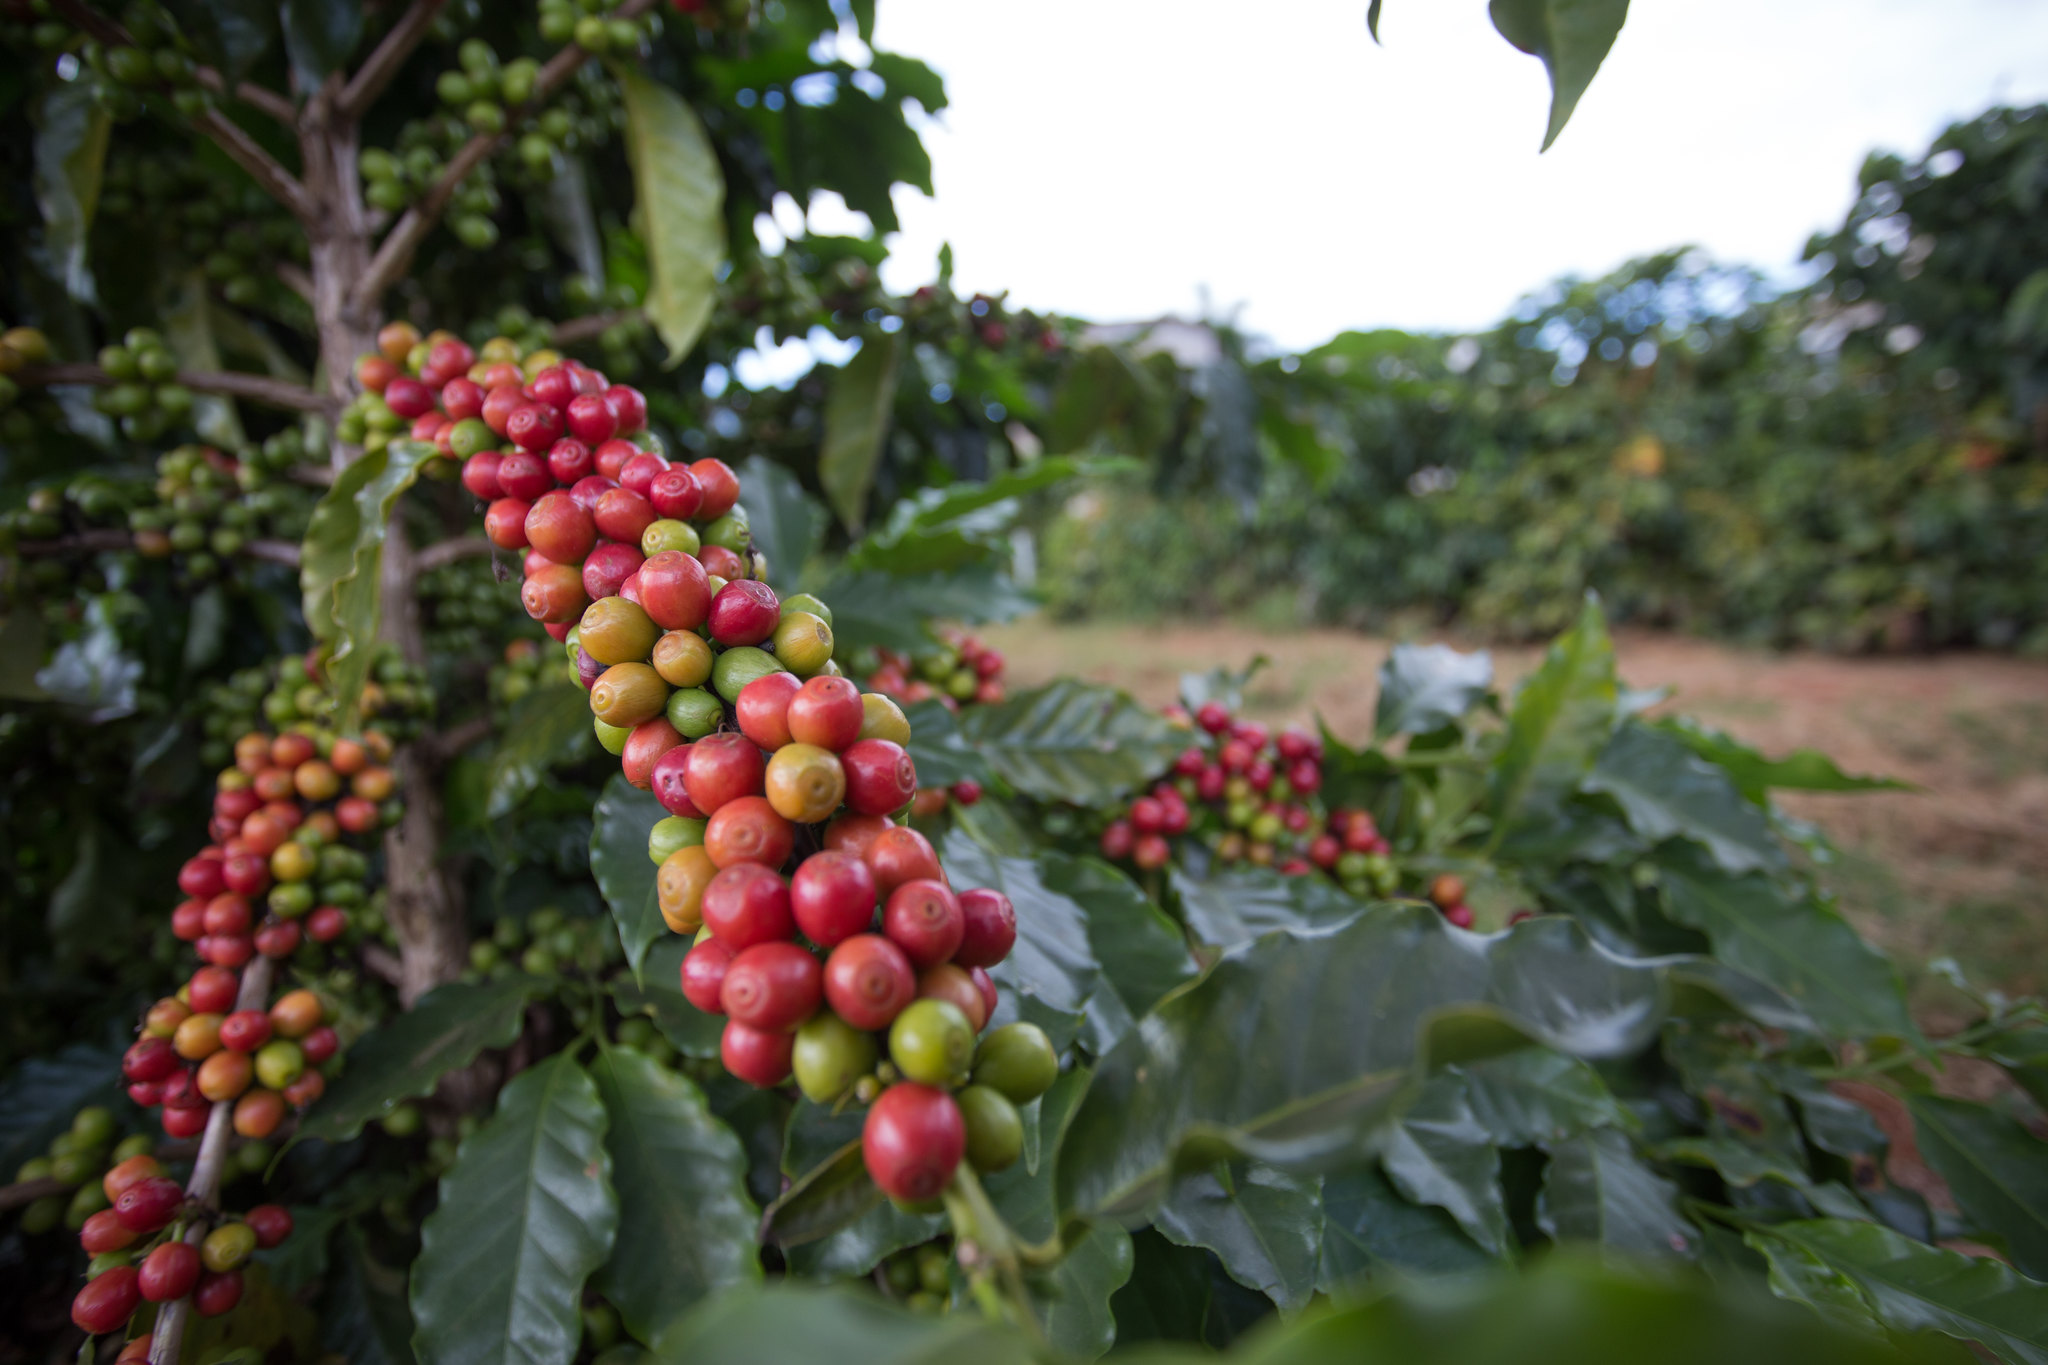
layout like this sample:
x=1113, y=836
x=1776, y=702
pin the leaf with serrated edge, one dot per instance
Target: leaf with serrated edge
x=526, y=1213
x=686, y=1229
x=1997, y=1170
x=1665, y=790
x=1295, y=1048
x=1073, y=741
x=1913, y=1287
x=407, y=1057
x=1597, y=1190
x=1264, y=1225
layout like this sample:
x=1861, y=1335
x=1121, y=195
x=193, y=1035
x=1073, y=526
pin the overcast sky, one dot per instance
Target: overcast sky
x=1115, y=158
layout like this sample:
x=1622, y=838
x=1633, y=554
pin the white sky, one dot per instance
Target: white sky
x=1115, y=158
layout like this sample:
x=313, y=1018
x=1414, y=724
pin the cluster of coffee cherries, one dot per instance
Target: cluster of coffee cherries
x=1252, y=796
x=958, y=671
x=518, y=674
x=145, y=1248
x=292, y=693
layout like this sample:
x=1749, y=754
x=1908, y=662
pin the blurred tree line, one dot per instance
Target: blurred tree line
x=1858, y=463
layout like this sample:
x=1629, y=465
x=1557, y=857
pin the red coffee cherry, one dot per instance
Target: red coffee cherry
x=868, y=981
x=832, y=896
x=923, y=918
x=105, y=1231
x=245, y=1030
x=212, y=990
x=640, y=472
x=674, y=591
x=149, y=1059
x=772, y=986
x=755, y=1056
x=559, y=527
x=746, y=904
x=150, y=1203
x=721, y=488
x=763, y=709
x=990, y=931
x=217, y=1293
x=522, y=475
x=319, y=1045
x=880, y=776
x=824, y=711
x=912, y=1142
x=900, y=854
x=628, y=406
x=106, y=1303
x=675, y=494
x=169, y=1272
x=272, y=1223
x=704, y=968
x=723, y=768
x=591, y=418
x=621, y=514
x=744, y=612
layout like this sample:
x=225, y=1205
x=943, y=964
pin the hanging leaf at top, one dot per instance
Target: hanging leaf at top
x=856, y=424
x=1571, y=37
x=680, y=208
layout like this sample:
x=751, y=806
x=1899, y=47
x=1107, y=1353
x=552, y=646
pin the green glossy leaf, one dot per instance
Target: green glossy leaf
x=1571, y=37
x=1740, y=1163
x=857, y=411
x=1297, y=1047
x=70, y=153
x=406, y=1057
x=1534, y=1096
x=1266, y=1226
x=1177, y=1295
x=40, y=1096
x=228, y=34
x=2023, y=1052
x=1597, y=1190
x=1074, y=741
x=619, y=862
x=783, y=521
x=942, y=754
x=1756, y=776
x=657, y=992
x=946, y=528
x=527, y=1212
x=1561, y=717
x=789, y=1322
x=1798, y=946
x=1437, y=1153
x=832, y=1194
x=686, y=1225
x=679, y=210
x=1912, y=1287
x=1997, y=1170
x=1233, y=905
x=889, y=611
x=1372, y=19
x=1423, y=687
x=319, y=37
x=549, y=725
x=341, y=559
x=1141, y=951
x=1667, y=791
x=1371, y=1233
x=364, y=1317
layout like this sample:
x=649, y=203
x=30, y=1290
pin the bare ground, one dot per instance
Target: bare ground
x=1956, y=867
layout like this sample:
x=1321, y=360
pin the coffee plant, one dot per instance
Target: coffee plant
x=742, y=965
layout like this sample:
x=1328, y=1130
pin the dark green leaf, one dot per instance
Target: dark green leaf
x=1997, y=1170
x=857, y=411
x=909, y=76
x=39, y=1098
x=1910, y=1286
x=549, y=725
x=1534, y=1096
x=1756, y=776
x=70, y=154
x=782, y=520
x=1423, y=687
x=1739, y=1163
x=1570, y=36
x=229, y=34
x=1177, y=1295
x=619, y=862
x=364, y=1317
x=320, y=36
x=680, y=208
x=686, y=1225
x=1437, y=1153
x=21, y=655
x=1141, y=951
x=1073, y=741
x=1371, y=1233
x=341, y=558
x=1372, y=19
x=942, y=754
x=407, y=1057
x=527, y=1212
x=889, y=611
x=1667, y=791
x=1221, y=683
x=1296, y=1047
x=2023, y=1052
x=1798, y=946
x=188, y=328
x=658, y=994
x=1264, y=1225
x=831, y=1195
x=1597, y=1190
x=961, y=523
x=1561, y=717
x=1235, y=904
x=792, y=1323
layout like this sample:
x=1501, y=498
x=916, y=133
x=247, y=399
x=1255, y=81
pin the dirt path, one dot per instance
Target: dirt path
x=1958, y=867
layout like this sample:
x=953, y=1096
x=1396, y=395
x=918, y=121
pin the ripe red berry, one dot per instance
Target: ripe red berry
x=226, y=914
x=924, y=919
x=772, y=986
x=746, y=904
x=554, y=594
x=966, y=791
x=744, y=612
x=622, y=514
x=1147, y=815
x=607, y=568
x=832, y=896
x=591, y=418
x=748, y=830
x=646, y=746
x=986, y=984
x=217, y=1293
x=868, y=981
x=534, y=426
x=408, y=397
x=151, y=1059
x=990, y=928
x=674, y=592
x=900, y=854
x=105, y=1231
x=326, y=924
x=107, y=1301
x=1237, y=756
x=611, y=456
x=754, y=1055
x=271, y=1223
x=201, y=878
x=560, y=528
x=1460, y=915
x=912, y=1141
x=880, y=776
x=1151, y=851
x=675, y=493
x=1213, y=716
x=245, y=1030
x=763, y=709
x=1324, y=850
x=824, y=711
x=212, y=990
x=704, y=968
x=462, y=398
x=588, y=489
x=640, y=472
x=522, y=475
x=150, y=1203
x=1117, y=840
x=169, y=1272
x=721, y=488
x=505, y=523
x=1305, y=775
x=186, y=1122
x=722, y=563
x=629, y=406
x=499, y=404
x=319, y=1045
x=569, y=460
x=722, y=768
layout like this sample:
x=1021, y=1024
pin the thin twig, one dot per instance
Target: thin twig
x=454, y=741
x=376, y=73
x=257, y=388
x=296, y=279
x=445, y=552
x=244, y=150
x=275, y=551
x=395, y=252
x=168, y=1338
x=383, y=964
x=318, y=475
x=257, y=97
x=82, y=543
x=584, y=328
